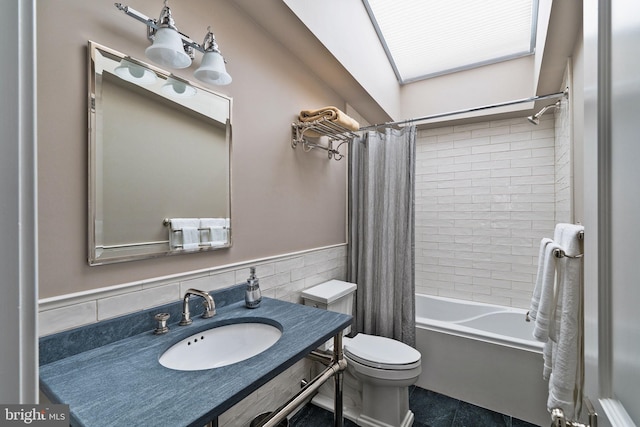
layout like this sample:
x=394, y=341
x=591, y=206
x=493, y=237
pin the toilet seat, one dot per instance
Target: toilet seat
x=381, y=353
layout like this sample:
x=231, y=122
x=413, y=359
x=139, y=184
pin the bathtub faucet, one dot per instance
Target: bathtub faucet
x=209, y=306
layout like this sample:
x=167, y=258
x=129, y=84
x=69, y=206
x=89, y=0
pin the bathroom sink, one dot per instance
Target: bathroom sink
x=220, y=346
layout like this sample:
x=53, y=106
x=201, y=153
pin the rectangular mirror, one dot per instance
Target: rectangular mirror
x=159, y=162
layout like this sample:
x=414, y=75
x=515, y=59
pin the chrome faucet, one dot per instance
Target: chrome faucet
x=209, y=306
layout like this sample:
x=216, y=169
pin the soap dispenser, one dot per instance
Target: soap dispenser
x=252, y=295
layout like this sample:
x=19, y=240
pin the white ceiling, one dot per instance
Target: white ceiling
x=428, y=38
x=338, y=43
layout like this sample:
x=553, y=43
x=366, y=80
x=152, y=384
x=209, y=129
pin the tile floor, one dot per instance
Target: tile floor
x=431, y=410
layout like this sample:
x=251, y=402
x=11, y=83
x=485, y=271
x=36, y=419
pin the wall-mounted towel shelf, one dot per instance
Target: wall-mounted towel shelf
x=301, y=131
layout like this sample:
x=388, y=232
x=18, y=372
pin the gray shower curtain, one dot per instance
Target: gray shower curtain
x=381, y=232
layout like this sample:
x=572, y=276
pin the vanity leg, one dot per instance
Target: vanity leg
x=337, y=403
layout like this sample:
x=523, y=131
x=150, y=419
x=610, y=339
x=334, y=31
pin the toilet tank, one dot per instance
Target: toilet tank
x=334, y=295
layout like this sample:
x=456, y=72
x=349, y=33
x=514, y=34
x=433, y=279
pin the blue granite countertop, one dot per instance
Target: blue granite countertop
x=122, y=383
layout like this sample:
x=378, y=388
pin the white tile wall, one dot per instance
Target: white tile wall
x=486, y=193
x=283, y=277
x=564, y=173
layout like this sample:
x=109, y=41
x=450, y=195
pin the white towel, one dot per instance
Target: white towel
x=215, y=231
x=567, y=236
x=566, y=364
x=545, y=315
x=184, y=233
x=537, y=290
x=565, y=382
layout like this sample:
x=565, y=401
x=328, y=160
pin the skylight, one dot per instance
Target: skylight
x=427, y=38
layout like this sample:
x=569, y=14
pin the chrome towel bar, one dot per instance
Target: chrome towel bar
x=323, y=127
x=558, y=418
x=559, y=253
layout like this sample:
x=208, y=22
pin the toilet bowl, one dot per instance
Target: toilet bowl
x=379, y=370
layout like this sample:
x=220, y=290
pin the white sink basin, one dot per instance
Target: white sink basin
x=220, y=346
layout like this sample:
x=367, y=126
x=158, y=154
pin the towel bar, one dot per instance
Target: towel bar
x=558, y=418
x=559, y=253
x=167, y=223
x=323, y=127
x=199, y=229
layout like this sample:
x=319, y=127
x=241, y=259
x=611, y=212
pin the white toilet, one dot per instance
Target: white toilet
x=379, y=370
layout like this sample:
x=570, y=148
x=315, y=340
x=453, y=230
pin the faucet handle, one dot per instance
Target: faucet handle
x=162, y=327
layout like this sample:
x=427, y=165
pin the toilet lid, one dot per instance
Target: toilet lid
x=381, y=352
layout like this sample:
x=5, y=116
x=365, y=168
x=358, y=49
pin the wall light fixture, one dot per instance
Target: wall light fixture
x=171, y=48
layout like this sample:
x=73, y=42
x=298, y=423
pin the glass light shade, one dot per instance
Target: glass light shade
x=178, y=89
x=212, y=70
x=167, y=49
x=135, y=73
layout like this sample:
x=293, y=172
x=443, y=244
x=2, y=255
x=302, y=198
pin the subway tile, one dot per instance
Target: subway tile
x=527, y=190
x=513, y=188
x=532, y=179
x=471, y=127
x=69, y=317
x=511, y=137
x=491, y=182
x=511, y=293
x=493, y=265
x=474, y=256
x=472, y=158
x=452, y=293
x=289, y=264
x=493, y=164
x=511, y=154
x=492, y=249
x=474, y=289
x=472, y=239
x=435, y=131
x=515, y=121
x=262, y=270
x=492, y=283
x=474, y=191
x=453, y=152
x=494, y=299
x=491, y=131
x=511, y=172
x=135, y=301
x=454, y=167
x=542, y=188
x=275, y=280
x=543, y=134
x=425, y=289
x=472, y=272
x=448, y=138
x=492, y=148
x=473, y=175
x=206, y=283
x=524, y=302
x=535, y=162
x=513, y=276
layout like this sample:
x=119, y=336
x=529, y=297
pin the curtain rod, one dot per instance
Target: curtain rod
x=469, y=110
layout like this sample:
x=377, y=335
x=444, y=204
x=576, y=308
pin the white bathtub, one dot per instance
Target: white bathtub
x=482, y=354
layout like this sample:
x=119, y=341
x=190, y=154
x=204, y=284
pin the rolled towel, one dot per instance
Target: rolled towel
x=329, y=113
